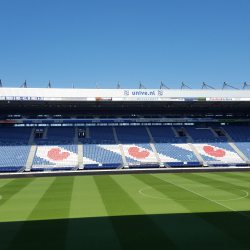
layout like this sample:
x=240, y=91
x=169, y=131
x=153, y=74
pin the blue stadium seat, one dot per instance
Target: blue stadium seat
x=14, y=135
x=200, y=134
x=129, y=134
x=13, y=158
x=58, y=136
x=165, y=134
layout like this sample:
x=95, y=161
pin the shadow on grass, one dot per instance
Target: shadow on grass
x=224, y=230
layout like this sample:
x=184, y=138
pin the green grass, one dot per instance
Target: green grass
x=141, y=211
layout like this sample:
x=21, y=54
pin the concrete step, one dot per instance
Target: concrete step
x=120, y=166
x=80, y=154
x=45, y=132
x=196, y=153
x=230, y=139
x=87, y=132
x=215, y=134
x=175, y=132
x=32, y=135
x=74, y=168
x=239, y=152
x=190, y=139
x=150, y=135
x=122, y=153
x=155, y=152
x=115, y=135
x=21, y=170
x=31, y=156
x=76, y=136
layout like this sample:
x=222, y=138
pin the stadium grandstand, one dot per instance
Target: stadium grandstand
x=46, y=129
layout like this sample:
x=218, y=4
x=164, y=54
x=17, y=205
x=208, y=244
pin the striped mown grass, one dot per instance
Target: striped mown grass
x=141, y=211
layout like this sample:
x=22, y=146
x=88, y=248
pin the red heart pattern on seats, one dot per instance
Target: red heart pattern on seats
x=135, y=152
x=216, y=153
x=56, y=154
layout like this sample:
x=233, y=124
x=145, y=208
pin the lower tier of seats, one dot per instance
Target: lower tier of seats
x=106, y=156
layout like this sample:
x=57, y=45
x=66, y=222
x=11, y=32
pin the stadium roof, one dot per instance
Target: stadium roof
x=50, y=100
x=50, y=94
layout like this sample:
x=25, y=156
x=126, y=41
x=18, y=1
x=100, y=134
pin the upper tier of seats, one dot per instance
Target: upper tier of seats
x=98, y=135
x=131, y=134
x=204, y=135
x=58, y=135
x=14, y=135
x=125, y=134
x=238, y=133
x=165, y=134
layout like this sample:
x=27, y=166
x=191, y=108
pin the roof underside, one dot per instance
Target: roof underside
x=23, y=107
x=119, y=101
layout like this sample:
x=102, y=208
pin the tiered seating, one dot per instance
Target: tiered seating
x=204, y=135
x=238, y=133
x=176, y=154
x=13, y=158
x=107, y=155
x=101, y=152
x=58, y=136
x=129, y=134
x=99, y=135
x=219, y=154
x=163, y=134
x=14, y=135
x=55, y=157
x=244, y=147
x=139, y=153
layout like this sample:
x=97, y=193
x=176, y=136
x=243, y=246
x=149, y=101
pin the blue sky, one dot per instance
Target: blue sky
x=129, y=41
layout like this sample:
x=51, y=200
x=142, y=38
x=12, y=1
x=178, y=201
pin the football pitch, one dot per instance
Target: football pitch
x=137, y=211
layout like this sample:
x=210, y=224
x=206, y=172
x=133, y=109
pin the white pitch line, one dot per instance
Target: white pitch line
x=1, y=196
x=203, y=196
x=140, y=191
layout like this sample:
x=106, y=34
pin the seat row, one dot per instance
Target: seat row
x=125, y=134
x=142, y=153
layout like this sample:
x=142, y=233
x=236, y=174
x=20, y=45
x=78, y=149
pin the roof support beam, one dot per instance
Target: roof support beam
x=205, y=86
x=163, y=85
x=184, y=86
x=141, y=86
x=244, y=87
x=225, y=86
x=24, y=85
x=49, y=85
x=119, y=86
